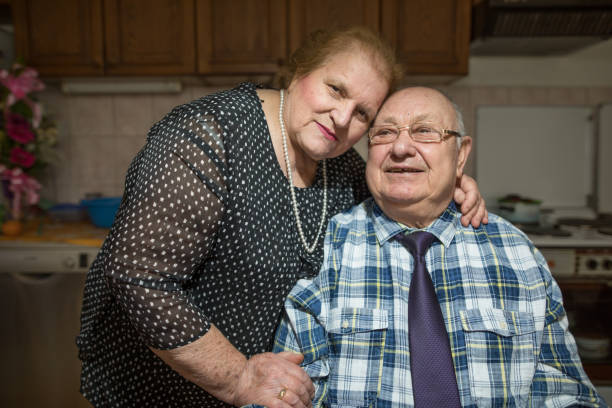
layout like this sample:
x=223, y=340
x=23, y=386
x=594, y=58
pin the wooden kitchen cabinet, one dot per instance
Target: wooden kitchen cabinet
x=308, y=15
x=241, y=36
x=183, y=37
x=257, y=36
x=61, y=37
x=149, y=37
x=98, y=37
x=431, y=37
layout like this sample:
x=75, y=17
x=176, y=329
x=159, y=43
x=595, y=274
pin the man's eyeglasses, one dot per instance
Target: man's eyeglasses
x=419, y=132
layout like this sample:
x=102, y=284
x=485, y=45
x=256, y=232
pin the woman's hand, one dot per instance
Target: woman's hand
x=214, y=364
x=472, y=204
x=266, y=375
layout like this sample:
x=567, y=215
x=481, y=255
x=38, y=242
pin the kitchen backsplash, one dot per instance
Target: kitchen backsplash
x=100, y=134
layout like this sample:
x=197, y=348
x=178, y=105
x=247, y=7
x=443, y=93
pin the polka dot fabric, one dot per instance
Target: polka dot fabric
x=205, y=234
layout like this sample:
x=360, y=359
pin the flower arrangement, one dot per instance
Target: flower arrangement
x=27, y=139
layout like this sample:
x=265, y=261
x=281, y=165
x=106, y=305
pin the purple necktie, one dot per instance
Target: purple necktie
x=433, y=375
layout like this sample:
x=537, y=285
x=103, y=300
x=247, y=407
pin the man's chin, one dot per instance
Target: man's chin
x=411, y=210
x=403, y=198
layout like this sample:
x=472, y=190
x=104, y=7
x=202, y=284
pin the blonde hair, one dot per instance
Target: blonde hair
x=322, y=44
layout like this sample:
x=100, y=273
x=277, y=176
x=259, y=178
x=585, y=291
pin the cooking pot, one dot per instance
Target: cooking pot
x=521, y=210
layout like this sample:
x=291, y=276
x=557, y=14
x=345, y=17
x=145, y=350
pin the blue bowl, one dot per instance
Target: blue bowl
x=102, y=211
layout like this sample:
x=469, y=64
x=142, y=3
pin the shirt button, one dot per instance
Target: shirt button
x=503, y=325
x=345, y=324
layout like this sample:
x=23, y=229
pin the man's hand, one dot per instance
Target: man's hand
x=265, y=375
x=472, y=204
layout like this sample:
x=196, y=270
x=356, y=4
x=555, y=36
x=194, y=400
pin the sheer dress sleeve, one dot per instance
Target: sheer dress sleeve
x=166, y=227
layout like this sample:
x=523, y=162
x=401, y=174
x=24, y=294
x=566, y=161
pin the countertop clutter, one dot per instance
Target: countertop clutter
x=85, y=224
x=44, y=231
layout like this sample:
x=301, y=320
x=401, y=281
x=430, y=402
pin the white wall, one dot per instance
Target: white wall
x=590, y=66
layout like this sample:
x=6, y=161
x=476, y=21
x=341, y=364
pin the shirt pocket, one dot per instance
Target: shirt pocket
x=500, y=346
x=357, y=341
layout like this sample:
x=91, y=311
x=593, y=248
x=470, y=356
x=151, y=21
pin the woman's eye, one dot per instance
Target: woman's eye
x=335, y=88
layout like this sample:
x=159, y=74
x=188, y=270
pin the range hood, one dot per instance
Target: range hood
x=538, y=27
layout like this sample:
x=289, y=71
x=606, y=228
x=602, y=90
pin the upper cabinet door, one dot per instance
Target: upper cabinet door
x=308, y=15
x=60, y=37
x=430, y=36
x=241, y=36
x=149, y=37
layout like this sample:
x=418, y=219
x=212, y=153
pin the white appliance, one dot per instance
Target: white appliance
x=586, y=253
x=41, y=287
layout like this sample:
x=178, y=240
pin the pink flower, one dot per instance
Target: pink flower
x=22, y=158
x=18, y=129
x=20, y=186
x=36, y=114
x=27, y=81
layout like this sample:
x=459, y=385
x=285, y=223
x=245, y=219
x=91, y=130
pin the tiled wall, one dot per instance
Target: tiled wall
x=99, y=134
x=98, y=137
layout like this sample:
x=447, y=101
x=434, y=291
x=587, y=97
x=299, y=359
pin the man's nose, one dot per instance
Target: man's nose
x=404, y=144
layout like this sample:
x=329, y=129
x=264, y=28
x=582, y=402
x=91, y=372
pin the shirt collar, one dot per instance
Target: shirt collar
x=444, y=227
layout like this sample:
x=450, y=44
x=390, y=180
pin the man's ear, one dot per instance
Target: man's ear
x=462, y=155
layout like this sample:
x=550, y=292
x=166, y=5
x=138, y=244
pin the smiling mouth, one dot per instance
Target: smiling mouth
x=404, y=171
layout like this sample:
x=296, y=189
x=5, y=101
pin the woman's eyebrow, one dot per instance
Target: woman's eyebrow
x=338, y=83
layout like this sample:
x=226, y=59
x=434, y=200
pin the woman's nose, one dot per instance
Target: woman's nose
x=342, y=114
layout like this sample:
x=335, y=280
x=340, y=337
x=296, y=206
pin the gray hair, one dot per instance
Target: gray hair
x=458, y=116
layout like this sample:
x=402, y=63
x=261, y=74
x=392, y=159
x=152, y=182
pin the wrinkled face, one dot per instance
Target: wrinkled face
x=328, y=110
x=421, y=176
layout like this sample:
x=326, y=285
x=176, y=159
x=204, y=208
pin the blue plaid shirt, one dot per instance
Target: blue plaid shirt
x=502, y=308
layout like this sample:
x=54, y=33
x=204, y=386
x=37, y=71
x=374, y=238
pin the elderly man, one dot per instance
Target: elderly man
x=413, y=309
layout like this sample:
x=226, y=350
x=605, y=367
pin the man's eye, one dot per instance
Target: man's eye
x=334, y=88
x=422, y=129
x=384, y=132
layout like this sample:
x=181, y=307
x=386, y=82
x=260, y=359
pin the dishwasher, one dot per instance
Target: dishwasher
x=41, y=289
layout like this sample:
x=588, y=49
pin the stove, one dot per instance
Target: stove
x=574, y=251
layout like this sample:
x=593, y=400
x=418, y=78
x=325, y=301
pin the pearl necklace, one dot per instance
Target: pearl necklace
x=309, y=249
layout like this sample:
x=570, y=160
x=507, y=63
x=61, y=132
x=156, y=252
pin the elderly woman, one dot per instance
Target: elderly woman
x=223, y=212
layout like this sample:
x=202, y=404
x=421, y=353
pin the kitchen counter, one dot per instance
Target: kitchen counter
x=70, y=233
x=51, y=247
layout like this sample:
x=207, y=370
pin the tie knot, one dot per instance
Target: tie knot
x=417, y=243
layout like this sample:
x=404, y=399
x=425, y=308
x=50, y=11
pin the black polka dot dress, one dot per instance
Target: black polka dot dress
x=205, y=235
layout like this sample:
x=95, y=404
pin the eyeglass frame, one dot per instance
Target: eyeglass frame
x=444, y=134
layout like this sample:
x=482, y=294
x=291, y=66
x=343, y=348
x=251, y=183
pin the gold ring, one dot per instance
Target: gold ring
x=281, y=393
